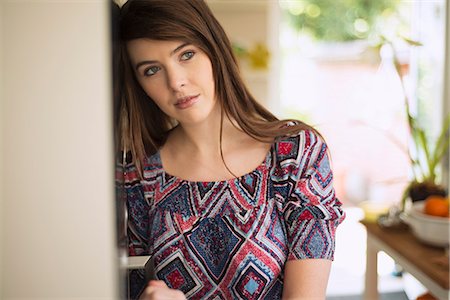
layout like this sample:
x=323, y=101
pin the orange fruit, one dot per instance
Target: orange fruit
x=436, y=206
x=426, y=296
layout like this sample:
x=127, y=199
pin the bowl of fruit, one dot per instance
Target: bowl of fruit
x=430, y=220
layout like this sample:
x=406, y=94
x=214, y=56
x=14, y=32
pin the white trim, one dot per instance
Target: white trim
x=134, y=262
x=446, y=92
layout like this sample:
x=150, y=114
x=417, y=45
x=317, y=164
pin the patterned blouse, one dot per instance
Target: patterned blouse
x=231, y=239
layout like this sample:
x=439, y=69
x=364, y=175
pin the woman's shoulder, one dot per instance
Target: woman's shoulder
x=128, y=169
x=153, y=160
x=292, y=145
x=152, y=166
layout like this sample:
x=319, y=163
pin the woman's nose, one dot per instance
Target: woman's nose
x=176, y=77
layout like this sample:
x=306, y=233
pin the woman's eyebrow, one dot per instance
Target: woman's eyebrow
x=144, y=62
x=179, y=48
x=174, y=51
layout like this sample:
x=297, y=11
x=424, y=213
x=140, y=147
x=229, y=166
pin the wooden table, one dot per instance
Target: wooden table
x=415, y=258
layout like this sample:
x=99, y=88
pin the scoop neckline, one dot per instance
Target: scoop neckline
x=264, y=165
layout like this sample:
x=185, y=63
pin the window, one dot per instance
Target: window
x=349, y=89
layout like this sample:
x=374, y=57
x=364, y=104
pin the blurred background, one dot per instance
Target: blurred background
x=356, y=70
x=343, y=66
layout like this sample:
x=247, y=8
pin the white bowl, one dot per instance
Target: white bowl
x=430, y=230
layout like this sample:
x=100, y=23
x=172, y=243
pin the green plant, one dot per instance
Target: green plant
x=338, y=20
x=424, y=153
x=428, y=156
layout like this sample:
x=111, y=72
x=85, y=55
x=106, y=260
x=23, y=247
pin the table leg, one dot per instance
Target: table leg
x=371, y=280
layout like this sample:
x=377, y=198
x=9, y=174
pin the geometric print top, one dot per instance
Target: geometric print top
x=231, y=239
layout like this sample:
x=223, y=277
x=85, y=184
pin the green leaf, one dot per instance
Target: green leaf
x=415, y=132
x=423, y=145
x=411, y=42
x=442, y=144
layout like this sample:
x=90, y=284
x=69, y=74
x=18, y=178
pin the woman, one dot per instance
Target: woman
x=229, y=201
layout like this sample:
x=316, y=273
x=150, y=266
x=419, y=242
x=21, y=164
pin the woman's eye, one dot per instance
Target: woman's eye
x=187, y=55
x=151, y=71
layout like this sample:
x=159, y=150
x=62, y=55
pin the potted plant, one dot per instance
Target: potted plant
x=425, y=163
x=424, y=154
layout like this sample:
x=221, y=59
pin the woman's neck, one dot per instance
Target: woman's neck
x=204, y=139
x=194, y=152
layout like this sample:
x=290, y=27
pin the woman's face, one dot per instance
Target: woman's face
x=178, y=76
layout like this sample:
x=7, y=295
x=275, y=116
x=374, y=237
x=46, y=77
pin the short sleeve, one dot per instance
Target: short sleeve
x=311, y=210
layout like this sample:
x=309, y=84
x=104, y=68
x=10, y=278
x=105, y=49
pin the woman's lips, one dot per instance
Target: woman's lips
x=186, y=102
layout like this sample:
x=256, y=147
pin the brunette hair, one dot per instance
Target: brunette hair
x=143, y=126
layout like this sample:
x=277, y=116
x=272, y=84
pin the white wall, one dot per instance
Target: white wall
x=261, y=19
x=56, y=175
x=1, y=151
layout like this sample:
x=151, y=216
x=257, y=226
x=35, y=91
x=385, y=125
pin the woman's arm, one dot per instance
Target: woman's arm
x=158, y=290
x=306, y=279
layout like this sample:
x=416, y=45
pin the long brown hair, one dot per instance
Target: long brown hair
x=143, y=126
